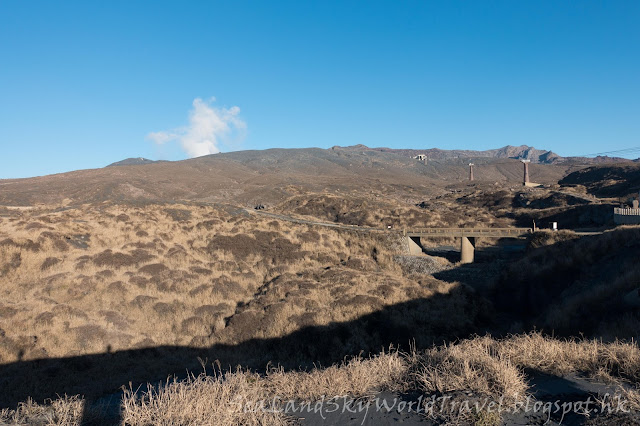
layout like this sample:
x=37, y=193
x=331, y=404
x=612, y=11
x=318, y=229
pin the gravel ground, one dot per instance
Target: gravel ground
x=422, y=265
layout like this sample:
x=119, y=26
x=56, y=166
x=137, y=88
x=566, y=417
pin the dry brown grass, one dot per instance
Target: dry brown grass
x=577, y=286
x=122, y=276
x=357, y=377
x=116, y=277
x=376, y=212
x=243, y=397
x=202, y=400
x=497, y=368
x=476, y=367
x=632, y=395
x=612, y=362
x=545, y=238
x=65, y=411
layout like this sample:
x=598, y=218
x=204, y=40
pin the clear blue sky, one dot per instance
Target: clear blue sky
x=84, y=83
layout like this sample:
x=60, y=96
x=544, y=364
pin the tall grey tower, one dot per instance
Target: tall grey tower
x=526, y=171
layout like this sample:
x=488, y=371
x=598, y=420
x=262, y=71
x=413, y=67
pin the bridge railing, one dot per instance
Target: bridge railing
x=477, y=232
x=626, y=211
x=626, y=216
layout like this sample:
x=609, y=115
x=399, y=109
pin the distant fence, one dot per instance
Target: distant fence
x=626, y=216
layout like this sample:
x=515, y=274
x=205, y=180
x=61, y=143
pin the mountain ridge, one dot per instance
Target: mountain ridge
x=521, y=152
x=270, y=176
x=132, y=161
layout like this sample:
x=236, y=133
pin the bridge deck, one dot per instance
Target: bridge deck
x=419, y=232
x=469, y=232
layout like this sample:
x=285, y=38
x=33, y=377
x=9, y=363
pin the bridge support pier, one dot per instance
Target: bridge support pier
x=415, y=247
x=467, y=249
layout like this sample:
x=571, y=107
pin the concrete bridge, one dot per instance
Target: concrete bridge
x=467, y=238
x=412, y=236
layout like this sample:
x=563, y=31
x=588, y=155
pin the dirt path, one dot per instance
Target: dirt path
x=318, y=223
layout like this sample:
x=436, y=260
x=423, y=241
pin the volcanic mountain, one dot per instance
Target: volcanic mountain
x=522, y=152
x=248, y=177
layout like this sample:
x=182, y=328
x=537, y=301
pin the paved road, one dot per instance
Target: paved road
x=585, y=197
x=418, y=232
x=318, y=223
x=415, y=232
x=470, y=232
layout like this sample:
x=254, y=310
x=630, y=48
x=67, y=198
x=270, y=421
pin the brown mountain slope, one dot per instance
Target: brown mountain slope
x=248, y=177
x=616, y=180
x=522, y=152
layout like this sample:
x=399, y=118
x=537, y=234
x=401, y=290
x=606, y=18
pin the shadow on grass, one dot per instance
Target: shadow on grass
x=581, y=216
x=426, y=321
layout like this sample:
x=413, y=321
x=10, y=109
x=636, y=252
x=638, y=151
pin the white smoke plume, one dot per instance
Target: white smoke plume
x=208, y=127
